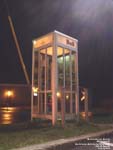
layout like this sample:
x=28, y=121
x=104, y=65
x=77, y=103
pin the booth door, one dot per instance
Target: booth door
x=66, y=78
x=44, y=80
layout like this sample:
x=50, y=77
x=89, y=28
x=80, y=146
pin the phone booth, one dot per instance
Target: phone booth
x=55, y=77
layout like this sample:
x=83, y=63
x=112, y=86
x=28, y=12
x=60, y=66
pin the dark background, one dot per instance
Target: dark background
x=89, y=21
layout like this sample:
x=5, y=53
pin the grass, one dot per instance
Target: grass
x=103, y=118
x=24, y=134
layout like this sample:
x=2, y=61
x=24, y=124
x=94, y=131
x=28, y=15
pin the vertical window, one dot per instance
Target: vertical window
x=60, y=63
x=67, y=69
x=73, y=102
x=49, y=103
x=36, y=69
x=35, y=81
x=73, y=71
x=49, y=67
x=67, y=102
x=42, y=69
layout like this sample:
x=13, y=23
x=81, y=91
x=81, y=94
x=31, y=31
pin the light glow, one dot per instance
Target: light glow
x=67, y=97
x=83, y=96
x=83, y=114
x=58, y=94
x=35, y=91
x=9, y=93
x=34, y=42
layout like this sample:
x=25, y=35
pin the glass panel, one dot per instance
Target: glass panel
x=66, y=78
x=49, y=68
x=41, y=102
x=45, y=68
x=60, y=63
x=59, y=103
x=59, y=51
x=35, y=104
x=67, y=70
x=44, y=65
x=35, y=69
x=73, y=71
x=67, y=101
x=73, y=102
x=42, y=69
x=49, y=103
x=61, y=75
x=50, y=51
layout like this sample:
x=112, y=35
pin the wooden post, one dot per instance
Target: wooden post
x=86, y=104
x=54, y=82
x=19, y=50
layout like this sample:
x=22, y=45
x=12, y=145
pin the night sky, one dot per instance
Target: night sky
x=90, y=21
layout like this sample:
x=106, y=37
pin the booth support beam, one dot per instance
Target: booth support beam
x=71, y=107
x=54, y=82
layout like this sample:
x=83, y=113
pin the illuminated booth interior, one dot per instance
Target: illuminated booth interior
x=54, y=77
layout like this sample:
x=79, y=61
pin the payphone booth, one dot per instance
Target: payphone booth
x=55, y=77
